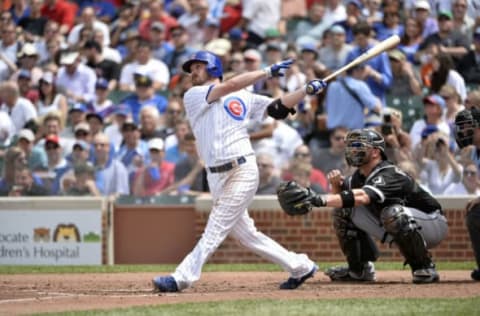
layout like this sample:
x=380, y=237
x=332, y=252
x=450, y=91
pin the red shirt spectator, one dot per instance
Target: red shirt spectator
x=157, y=14
x=62, y=12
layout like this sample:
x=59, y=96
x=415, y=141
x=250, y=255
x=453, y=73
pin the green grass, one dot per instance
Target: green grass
x=447, y=307
x=466, y=265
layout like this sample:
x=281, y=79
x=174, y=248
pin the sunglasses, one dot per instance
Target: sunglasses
x=51, y=147
x=264, y=165
x=81, y=134
x=469, y=173
x=297, y=155
x=174, y=111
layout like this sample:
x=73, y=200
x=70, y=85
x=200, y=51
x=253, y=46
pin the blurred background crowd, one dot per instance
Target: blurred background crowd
x=91, y=90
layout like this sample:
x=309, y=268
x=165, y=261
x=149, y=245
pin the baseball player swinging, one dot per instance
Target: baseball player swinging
x=218, y=112
x=378, y=200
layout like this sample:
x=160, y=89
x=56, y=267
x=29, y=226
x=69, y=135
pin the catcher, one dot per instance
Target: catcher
x=378, y=200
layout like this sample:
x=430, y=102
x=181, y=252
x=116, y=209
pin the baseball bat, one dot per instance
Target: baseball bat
x=379, y=48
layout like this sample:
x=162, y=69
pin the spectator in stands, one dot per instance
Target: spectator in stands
x=95, y=121
x=397, y=141
x=422, y=15
x=355, y=97
x=9, y=46
x=174, y=113
x=378, y=74
x=469, y=184
x=76, y=114
x=434, y=107
x=450, y=42
x=33, y=24
x=253, y=61
x=82, y=132
x=103, y=68
x=62, y=12
x=469, y=65
x=102, y=104
x=111, y=177
x=312, y=27
x=181, y=51
x=157, y=14
x=35, y=156
x=335, y=11
x=113, y=131
x=108, y=52
x=105, y=10
x=438, y=165
x=144, y=95
x=25, y=184
x=57, y=165
x=160, y=46
x=390, y=24
x=88, y=19
x=453, y=102
x=52, y=124
x=372, y=11
x=49, y=99
x=406, y=81
x=149, y=120
x=301, y=173
x=268, y=175
x=334, y=54
x=259, y=16
x=76, y=79
x=333, y=157
x=20, y=109
x=238, y=39
x=14, y=158
x=354, y=15
x=462, y=23
x=25, y=88
x=182, y=127
x=134, y=151
x=125, y=23
x=473, y=99
x=155, y=176
x=27, y=58
x=83, y=183
x=444, y=73
x=411, y=38
x=145, y=64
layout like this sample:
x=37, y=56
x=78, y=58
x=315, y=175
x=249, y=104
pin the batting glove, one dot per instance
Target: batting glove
x=277, y=70
x=315, y=86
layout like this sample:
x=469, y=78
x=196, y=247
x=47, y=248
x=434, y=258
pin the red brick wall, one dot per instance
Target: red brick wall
x=313, y=234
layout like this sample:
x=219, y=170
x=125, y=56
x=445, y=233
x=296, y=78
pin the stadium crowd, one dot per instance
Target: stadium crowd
x=91, y=91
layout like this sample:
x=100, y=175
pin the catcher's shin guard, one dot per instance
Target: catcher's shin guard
x=357, y=246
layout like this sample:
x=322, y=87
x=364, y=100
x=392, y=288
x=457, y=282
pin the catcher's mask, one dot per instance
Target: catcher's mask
x=466, y=122
x=359, y=142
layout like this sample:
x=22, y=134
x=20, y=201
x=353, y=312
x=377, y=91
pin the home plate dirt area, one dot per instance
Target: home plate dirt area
x=29, y=293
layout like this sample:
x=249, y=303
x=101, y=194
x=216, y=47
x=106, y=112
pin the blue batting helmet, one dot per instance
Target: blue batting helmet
x=214, y=64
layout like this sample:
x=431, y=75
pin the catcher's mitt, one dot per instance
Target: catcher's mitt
x=294, y=199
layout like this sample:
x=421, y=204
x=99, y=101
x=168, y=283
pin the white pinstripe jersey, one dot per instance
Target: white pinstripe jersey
x=220, y=127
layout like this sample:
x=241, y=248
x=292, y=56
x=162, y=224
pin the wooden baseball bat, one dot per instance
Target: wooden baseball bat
x=379, y=48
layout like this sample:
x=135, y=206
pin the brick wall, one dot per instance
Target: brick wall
x=313, y=234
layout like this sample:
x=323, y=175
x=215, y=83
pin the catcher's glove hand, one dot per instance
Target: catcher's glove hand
x=297, y=200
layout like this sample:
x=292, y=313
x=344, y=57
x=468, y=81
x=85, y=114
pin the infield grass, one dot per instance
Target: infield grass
x=341, y=307
x=466, y=265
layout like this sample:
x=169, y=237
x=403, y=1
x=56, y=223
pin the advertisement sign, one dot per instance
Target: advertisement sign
x=60, y=237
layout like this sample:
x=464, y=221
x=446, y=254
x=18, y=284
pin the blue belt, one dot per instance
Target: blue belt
x=228, y=166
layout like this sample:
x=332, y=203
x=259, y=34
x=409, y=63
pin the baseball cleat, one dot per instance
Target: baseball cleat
x=475, y=275
x=344, y=274
x=425, y=275
x=293, y=283
x=164, y=284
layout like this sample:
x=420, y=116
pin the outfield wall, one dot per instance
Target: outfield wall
x=164, y=229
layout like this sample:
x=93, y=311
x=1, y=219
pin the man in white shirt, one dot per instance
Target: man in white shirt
x=19, y=109
x=88, y=19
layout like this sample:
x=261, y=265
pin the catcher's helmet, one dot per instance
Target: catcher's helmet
x=214, y=63
x=466, y=122
x=358, y=142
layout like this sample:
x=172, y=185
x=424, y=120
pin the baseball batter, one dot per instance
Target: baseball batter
x=219, y=113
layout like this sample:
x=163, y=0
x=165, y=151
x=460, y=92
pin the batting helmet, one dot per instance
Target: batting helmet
x=214, y=64
x=358, y=141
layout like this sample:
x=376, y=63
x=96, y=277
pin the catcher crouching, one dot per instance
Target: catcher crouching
x=379, y=200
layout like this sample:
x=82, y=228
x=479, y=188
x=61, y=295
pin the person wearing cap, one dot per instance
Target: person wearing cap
x=434, y=108
x=469, y=65
x=238, y=39
x=378, y=71
x=157, y=175
x=49, y=99
x=334, y=53
x=156, y=69
x=27, y=58
x=157, y=14
x=422, y=13
x=447, y=40
x=461, y=21
x=96, y=122
x=80, y=156
x=18, y=108
x=24, y=81
x=104, y=68
x=113, y=131
x=134, y=151
x=36, y=157
x=57, y=165
x=258, y=16
x=406, y=80
x=82, y=132
x=76, y=114
x=111, y=176
x=102, y=104
x=181, y=50
x=75, y=79
x=150, y=119
x=160, y=46
x=88, y=18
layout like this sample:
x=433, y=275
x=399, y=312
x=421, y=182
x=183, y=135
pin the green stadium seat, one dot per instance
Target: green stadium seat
x=410, y=106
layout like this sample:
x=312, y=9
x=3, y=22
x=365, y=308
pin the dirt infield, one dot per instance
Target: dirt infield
x=24, y=294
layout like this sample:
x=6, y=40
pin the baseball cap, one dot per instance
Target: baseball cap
x=422, y=5
x=24, y=73
x=101, y=83
x=142, y=77
x=236, y=34
x=26, y=134
x=47, y=77
x=252, y=54
x=396, y=54
x=446, y=14
x=52, y=138
x=28, y=49
x=122, y=109
x=82, y=144
x=219, y=46
x=129, y=123
x=158, y=26
x=156, y=143
x=96, y=115
x=337, y=29
x=78, y=107
x=68, y=58
x=435, y=99
x=274, y=47
x=429, y=129
x=356, y=3
x=309, y=47
x=82, y=126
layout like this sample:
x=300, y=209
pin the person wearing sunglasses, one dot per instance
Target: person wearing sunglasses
x=379, y=200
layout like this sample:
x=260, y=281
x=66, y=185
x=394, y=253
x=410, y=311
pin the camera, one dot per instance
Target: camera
x=440, y=142
x=387, y=127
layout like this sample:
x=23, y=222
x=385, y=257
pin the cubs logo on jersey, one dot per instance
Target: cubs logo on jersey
x=235, y=108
